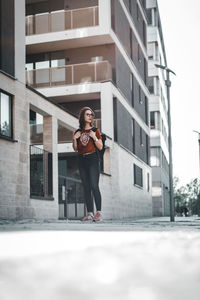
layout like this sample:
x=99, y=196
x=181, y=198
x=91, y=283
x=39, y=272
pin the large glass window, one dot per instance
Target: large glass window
x=155, y=156
x=152, y=120
x=58, y=62
x=151, y=84
x=42, y=65
x=138, y=175
x=5, y=115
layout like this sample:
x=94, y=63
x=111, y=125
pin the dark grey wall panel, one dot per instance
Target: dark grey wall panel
x=123, y=76
x=120, y=25
x=138, y=20
x=122, y=125
x=134, y=47
x=7, y=37
x=141, y=143
x=133, y=10
x=140, y=104
x=136, y=98
x=127, y=3
x=131, y=137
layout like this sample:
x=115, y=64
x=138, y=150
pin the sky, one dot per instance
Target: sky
x=181, y=30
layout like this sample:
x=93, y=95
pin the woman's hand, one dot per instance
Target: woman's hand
x=98, y=143
x=77, y=135
x=93, y=135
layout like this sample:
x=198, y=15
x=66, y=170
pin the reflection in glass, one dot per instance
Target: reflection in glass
x=5, y=126
x=42, y=64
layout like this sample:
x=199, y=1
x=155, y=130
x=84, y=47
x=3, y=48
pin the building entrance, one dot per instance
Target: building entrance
x=71, y=197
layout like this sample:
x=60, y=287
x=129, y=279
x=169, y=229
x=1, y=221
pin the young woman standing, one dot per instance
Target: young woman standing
x=85, y=141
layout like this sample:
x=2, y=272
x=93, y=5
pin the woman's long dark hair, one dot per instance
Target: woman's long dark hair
x=82, y=116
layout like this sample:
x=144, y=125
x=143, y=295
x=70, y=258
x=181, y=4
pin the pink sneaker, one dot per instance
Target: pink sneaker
x=98, y=217
x=88, y=217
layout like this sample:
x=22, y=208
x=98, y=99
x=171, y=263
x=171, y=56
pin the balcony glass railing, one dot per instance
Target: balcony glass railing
x=70, y=74
x=62, y=20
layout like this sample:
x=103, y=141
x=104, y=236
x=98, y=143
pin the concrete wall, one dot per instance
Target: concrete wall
x=121, y=198
x=15, y=201
x=14, y=157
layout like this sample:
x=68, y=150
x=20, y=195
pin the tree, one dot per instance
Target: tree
x=194, y=196
x=187, y=198
x=180, y=198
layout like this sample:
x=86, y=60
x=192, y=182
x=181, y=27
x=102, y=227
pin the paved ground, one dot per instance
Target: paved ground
x=147, y=259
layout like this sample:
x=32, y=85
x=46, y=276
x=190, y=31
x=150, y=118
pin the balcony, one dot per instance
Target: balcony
x=70, y=74
x=62, y=20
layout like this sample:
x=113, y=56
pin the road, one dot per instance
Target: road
x=147, y=259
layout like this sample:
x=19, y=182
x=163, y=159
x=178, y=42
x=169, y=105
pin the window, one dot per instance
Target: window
x=155, y=157
x=141, y=142
x=5, y=114
x=152, y=120
x=148, y=182
x=147, y=148
x=140, y=95
x=138, y=176
x=131, y=43
x=151, y=85
x=132, y=88
x=139, y=55
x=138, y=13
x=144, y=34
x=133, y=134
x=149, y=16
x=58, y=62
x=146, y=111
x=42, y=65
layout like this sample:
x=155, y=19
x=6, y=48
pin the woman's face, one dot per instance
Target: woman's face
x=88, y=116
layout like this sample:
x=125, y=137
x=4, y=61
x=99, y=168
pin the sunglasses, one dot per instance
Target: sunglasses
x=90, y=115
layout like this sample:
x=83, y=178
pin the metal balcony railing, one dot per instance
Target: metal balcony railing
x=70, y=74
x=62, y=20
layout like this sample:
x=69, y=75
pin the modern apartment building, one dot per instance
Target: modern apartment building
x=94, y=53
x=158, y=112
x=19, y=162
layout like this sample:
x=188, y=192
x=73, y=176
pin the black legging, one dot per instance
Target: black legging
x=89, y=169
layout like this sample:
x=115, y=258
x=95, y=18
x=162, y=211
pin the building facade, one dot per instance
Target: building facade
x=158, y=112
x=82, y=53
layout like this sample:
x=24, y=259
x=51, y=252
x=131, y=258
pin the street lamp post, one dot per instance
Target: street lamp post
x=199, y=147
x=168, y=85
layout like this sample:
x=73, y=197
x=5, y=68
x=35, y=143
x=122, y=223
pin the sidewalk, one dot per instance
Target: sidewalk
x=131, y=224
x=142, y=259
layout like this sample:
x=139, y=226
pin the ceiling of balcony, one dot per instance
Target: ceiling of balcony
x=77, y=97
x=35, y=1
x=68, y=44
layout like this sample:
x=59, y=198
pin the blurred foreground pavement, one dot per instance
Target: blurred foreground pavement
x=142, y=259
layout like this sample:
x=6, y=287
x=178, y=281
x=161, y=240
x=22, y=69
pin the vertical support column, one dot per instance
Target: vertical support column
x=50, y=142
x=107, y=109
x=105, y=15
x=19, y=7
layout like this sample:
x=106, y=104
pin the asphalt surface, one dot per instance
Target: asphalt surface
x=147, y=259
